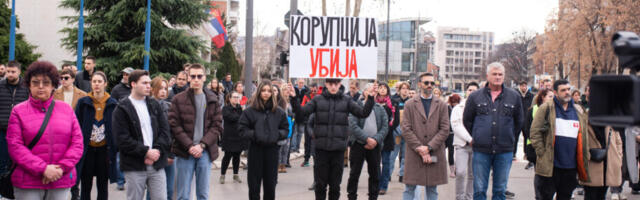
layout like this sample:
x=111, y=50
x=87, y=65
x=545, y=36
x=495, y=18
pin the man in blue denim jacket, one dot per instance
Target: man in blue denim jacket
x=493, y=116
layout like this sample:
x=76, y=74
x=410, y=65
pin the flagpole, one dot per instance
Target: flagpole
x=147, y=37
x=80, y=36
x=12, y=32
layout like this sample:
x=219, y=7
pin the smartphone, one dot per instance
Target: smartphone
x=434, y=159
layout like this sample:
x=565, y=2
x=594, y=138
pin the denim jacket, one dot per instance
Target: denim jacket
x=493, y=124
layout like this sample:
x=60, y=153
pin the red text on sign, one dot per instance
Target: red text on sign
x=319, y=70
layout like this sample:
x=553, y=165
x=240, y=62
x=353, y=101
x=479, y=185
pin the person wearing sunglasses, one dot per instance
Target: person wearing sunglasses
x=68, y=93
x=195, y=118
x=425, y=127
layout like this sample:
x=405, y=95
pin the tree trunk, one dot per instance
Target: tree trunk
x=347, y=7
x=356, y=8
x=324, y=7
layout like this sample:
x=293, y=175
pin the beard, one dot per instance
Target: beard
x=427, y=92
x=12, y=80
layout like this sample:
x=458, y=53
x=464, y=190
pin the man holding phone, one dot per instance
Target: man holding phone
x=425, y=127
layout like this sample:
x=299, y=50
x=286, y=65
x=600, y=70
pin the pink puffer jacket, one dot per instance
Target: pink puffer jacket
x=61, y=144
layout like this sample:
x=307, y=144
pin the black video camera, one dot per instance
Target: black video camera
x=615, y=99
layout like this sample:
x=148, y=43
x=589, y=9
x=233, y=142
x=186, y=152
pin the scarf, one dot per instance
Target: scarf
x=386, y=101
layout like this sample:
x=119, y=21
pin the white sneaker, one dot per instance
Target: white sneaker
x=615, y=196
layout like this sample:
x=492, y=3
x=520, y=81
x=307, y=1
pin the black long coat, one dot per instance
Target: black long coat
x=231, y=140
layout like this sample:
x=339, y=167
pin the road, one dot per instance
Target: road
x=293, y=185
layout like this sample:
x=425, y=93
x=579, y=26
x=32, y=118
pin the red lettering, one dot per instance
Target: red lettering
x=335, y=64
x=314, y=64
x=324, y=71
x=353, y=65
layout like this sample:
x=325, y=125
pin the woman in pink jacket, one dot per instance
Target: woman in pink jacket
x=46, y=171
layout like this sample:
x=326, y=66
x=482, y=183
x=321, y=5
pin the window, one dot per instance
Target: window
x=407, y=62
x=449, y=53
x=447, y=69
x=478, y=54
x=476, y=61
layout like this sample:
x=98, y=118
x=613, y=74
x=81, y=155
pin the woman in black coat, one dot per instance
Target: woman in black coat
x=232, y=143
x=263, y=124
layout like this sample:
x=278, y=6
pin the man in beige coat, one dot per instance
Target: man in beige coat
x=425, y=133
x=68, y=92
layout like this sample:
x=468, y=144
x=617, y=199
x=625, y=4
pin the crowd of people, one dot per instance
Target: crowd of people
x=62, y=128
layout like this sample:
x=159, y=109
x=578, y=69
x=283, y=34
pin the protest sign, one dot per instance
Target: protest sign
x=333, y=47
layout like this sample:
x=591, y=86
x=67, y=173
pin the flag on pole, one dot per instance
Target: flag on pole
x=215, y=28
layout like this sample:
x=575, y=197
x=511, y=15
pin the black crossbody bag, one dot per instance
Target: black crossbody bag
x=599, y=154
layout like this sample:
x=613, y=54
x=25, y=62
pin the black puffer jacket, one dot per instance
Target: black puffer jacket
x=263, y=127
x=331, y=123
x=10, y=98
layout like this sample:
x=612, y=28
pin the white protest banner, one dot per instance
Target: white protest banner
x=333, y=47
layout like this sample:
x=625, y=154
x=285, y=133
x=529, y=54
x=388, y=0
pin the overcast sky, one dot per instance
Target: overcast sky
x=499, y=16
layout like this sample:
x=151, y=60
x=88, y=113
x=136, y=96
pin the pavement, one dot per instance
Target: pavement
x=294, y=184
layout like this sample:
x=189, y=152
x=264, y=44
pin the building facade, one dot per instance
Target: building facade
x=462, y=54
x=405, y=45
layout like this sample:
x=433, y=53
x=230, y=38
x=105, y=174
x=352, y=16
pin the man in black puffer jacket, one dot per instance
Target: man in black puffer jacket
x=12, y=92
x=331, y=133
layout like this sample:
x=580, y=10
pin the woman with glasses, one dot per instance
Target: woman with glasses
x=46, y=169
x=232, y=143
x=239, y=88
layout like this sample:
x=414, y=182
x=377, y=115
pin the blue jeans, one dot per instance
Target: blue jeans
x=398, y=150
x=186, y=169
x=296, y=137
x=483, y=163
x=385, y=174
x=120, y=175
x=410, y=192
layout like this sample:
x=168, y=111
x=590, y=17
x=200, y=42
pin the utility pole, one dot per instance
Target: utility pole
x=80, y=36
x=248, y=62
x=386, y=60
x=12, y=32
x=147, y=37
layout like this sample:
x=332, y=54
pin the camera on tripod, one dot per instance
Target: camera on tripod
x=615, y=99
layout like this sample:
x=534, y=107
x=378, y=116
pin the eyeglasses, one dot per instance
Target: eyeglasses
x=235, y=97
x=199, y=76
x=429, y=83
x=40, y=83
x=65, y=78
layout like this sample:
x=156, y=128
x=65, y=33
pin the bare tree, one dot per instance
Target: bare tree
x=514, y=55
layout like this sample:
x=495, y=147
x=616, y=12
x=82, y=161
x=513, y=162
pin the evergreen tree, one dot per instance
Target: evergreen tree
x=24, y=51
x=114, y=33
x=229, y=63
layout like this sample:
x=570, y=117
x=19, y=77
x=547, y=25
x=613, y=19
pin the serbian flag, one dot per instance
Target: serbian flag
x=216, y=29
